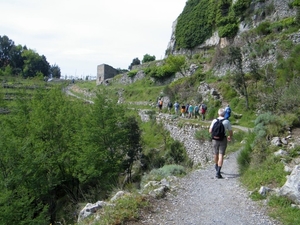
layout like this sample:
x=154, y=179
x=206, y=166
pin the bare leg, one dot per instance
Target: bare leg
x=220, y=160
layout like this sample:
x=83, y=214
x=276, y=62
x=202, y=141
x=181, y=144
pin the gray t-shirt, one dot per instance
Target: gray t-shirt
x=226, y=123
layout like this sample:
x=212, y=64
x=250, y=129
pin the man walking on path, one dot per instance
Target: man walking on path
x=218, y=129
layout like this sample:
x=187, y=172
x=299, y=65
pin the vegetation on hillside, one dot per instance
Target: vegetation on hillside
x=58, y=151
x=20, y=61
x=200, y=18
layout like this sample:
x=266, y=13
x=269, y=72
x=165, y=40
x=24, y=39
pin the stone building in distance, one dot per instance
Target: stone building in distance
x=105, y=72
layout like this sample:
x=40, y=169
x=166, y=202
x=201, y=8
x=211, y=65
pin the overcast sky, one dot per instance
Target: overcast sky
x=79, y=35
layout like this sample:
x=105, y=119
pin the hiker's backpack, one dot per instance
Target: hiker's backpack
x=204, y=107
x=218, y=130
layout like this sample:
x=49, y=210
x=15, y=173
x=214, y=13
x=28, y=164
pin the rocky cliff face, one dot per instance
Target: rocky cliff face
x=270, y=10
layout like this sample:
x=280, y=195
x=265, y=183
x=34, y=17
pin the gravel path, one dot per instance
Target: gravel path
x=202, y=199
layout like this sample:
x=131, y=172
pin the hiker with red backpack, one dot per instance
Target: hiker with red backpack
x=203, y=109
x=218, y=129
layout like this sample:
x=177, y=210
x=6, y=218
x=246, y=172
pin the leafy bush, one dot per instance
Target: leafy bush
x=124, y=209
x=267, y=125
x=148, y=58
x=177, y=154
x=168, y=170
x=132, y=73
x=264, y=28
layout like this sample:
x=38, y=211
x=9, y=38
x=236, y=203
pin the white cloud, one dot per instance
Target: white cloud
x=79, y=35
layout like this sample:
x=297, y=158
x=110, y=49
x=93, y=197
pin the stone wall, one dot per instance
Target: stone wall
x=200, y=152
x=105, y=72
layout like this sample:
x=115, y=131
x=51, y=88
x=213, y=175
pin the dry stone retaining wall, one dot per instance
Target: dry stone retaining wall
x=199, y=152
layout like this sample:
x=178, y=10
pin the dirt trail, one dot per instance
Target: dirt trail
x=202, y=199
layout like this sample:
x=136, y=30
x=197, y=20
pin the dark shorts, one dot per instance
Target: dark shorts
x=219, y=147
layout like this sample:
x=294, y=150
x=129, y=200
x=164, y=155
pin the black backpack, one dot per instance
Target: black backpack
x=218, y=130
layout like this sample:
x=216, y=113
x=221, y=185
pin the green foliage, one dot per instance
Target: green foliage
x=228, y=92
x=132, y=73
x=132, y=145
x=62, y=147
x=270, y=172
x=256, y=196
x=229, y=30
x=296, y=3
x=290, y=120
x=177, y=154
x=264, y=28
x=240, y=6
x=244, y=157
x=34, y=63
x=159, y=72
x=124, y=210
x=202, y=135
x=267, y=125
x=55, y=71
x=194, y=24
x=177, y=63
x=283, y=210
x=148, y=58
x=135, y=62
x=167, y=170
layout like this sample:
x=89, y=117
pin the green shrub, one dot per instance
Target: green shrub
x=264, y=28
x=177, y=154
x=290, y=120
x=132, y=73
x=244, y=157
x=241, y=6
x=163, y=172
x=124, y=210
x=202, y=135
x=168, y=170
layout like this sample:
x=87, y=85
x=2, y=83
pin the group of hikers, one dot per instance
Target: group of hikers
x=186, y=111
x=220, y=127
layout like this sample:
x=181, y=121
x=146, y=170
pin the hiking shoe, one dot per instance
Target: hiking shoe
x=219, y=176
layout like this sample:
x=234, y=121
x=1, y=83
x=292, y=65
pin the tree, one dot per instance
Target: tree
x=132, y=144
x=103, y=136
x=6, y=46
x=177, y=63
x=17, y=62
x=148, y=58
x=135, y=61
x=55, y=71
x=235, y=58
x=34, y=63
